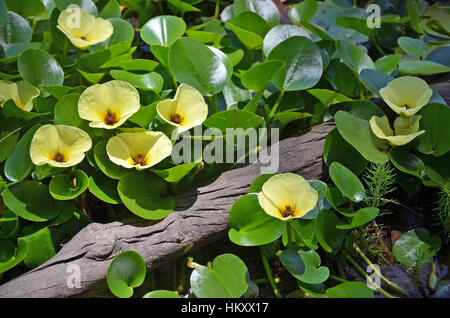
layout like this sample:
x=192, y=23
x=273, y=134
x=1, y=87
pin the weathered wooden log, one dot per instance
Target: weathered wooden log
x=201, y=217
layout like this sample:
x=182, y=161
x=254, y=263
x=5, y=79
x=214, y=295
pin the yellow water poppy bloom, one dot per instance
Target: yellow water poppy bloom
x=21, y=93
x=108, y=105
x=186, y=110
x=406, y=95
x=82, y=28
x=140, y=150
x=59, y=145
x=287, y=196
x=405, y=129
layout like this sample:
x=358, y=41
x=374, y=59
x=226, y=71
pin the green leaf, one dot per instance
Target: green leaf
x=347, y=182
x=328, y=236
x=144, y=194
x=252, y=22
x=234, y=118
x=350, y=290
x=303, y=11
x=3, y=13
x=250, y=225
x=163, y=30
x=39, y=68
x=354, y=56
x=18, y=165
x=407, y=162
x=111, y=10
x=321, y=188
x=374, y=80
x=328, y=97
x=145, y=115
x=68, y=187
x=123, y=32
x=7, y=250
x=8, y=141
x=337, y=149
x=15, y=30
x=416, y=247
x=21, y=252
x=105, y=164
x=93, y=78
x=251, y=40
x=26, y=8
x=126, y=271
x=280, y=33
x=40, y=244
x=357, y=132
x=304, y=265
x=265, y=8
x=422, y=68
x=10, y=110
x=303, y=64
x=176, y=173
x=162, y=294
x=104, y=188
x=86, y=5
x=66, y=111
x=193, y=63
x=256, y=77
x=150, y=81
x=9, y=224
x=139, y=65
x=31, y=201
x=388, y=63
x=355, y=23
x=412, y=46
x=435, y=119
x=361, y=217
x=225, y=278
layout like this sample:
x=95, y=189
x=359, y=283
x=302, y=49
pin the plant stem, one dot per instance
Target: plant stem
x=338, y=279
x=261, y=281
x=213, y=106
x=277, y=104
x=393, y=286
x=269, y=274
x=289, y=234
x=373, y=41
x=364, y=274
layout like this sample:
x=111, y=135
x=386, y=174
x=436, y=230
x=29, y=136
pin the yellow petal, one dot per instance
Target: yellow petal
x=59, y=145
x=380, y=127
x=20, y=92
x=284, y=191
x=108, y=105
x=406, y=95
x=403, y=139
x=407, y=125
x=138, y=149
x=82, y=28
x=188, y=106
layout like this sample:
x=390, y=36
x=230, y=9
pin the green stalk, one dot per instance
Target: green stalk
x=213, y=105
x=269, y=273
x=364, y=274
x=261, y=281
x=338, y=279
x=393, y=286
x=277, y=104
x=289, y=234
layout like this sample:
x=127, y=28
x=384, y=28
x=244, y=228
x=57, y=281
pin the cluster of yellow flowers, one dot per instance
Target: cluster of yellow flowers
x=108, y=106
x=405, y=96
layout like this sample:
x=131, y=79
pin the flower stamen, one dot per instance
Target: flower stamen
x=287, y=211
x=176, y=118
x=59, y=157
x=110, y=118
x=140, y=160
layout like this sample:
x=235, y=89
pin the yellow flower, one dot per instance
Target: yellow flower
x=21, y=93
x=287, y=196
x=59, y=145
x=138, y=149
x=108, y=105
x=186, y=110
x=406, y=95
x=406, y=129
x=82, y=28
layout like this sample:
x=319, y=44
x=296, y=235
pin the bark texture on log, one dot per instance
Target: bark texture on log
x=201, y=217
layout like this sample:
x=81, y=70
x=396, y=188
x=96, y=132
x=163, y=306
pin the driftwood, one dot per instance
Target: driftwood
x=200, y=217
